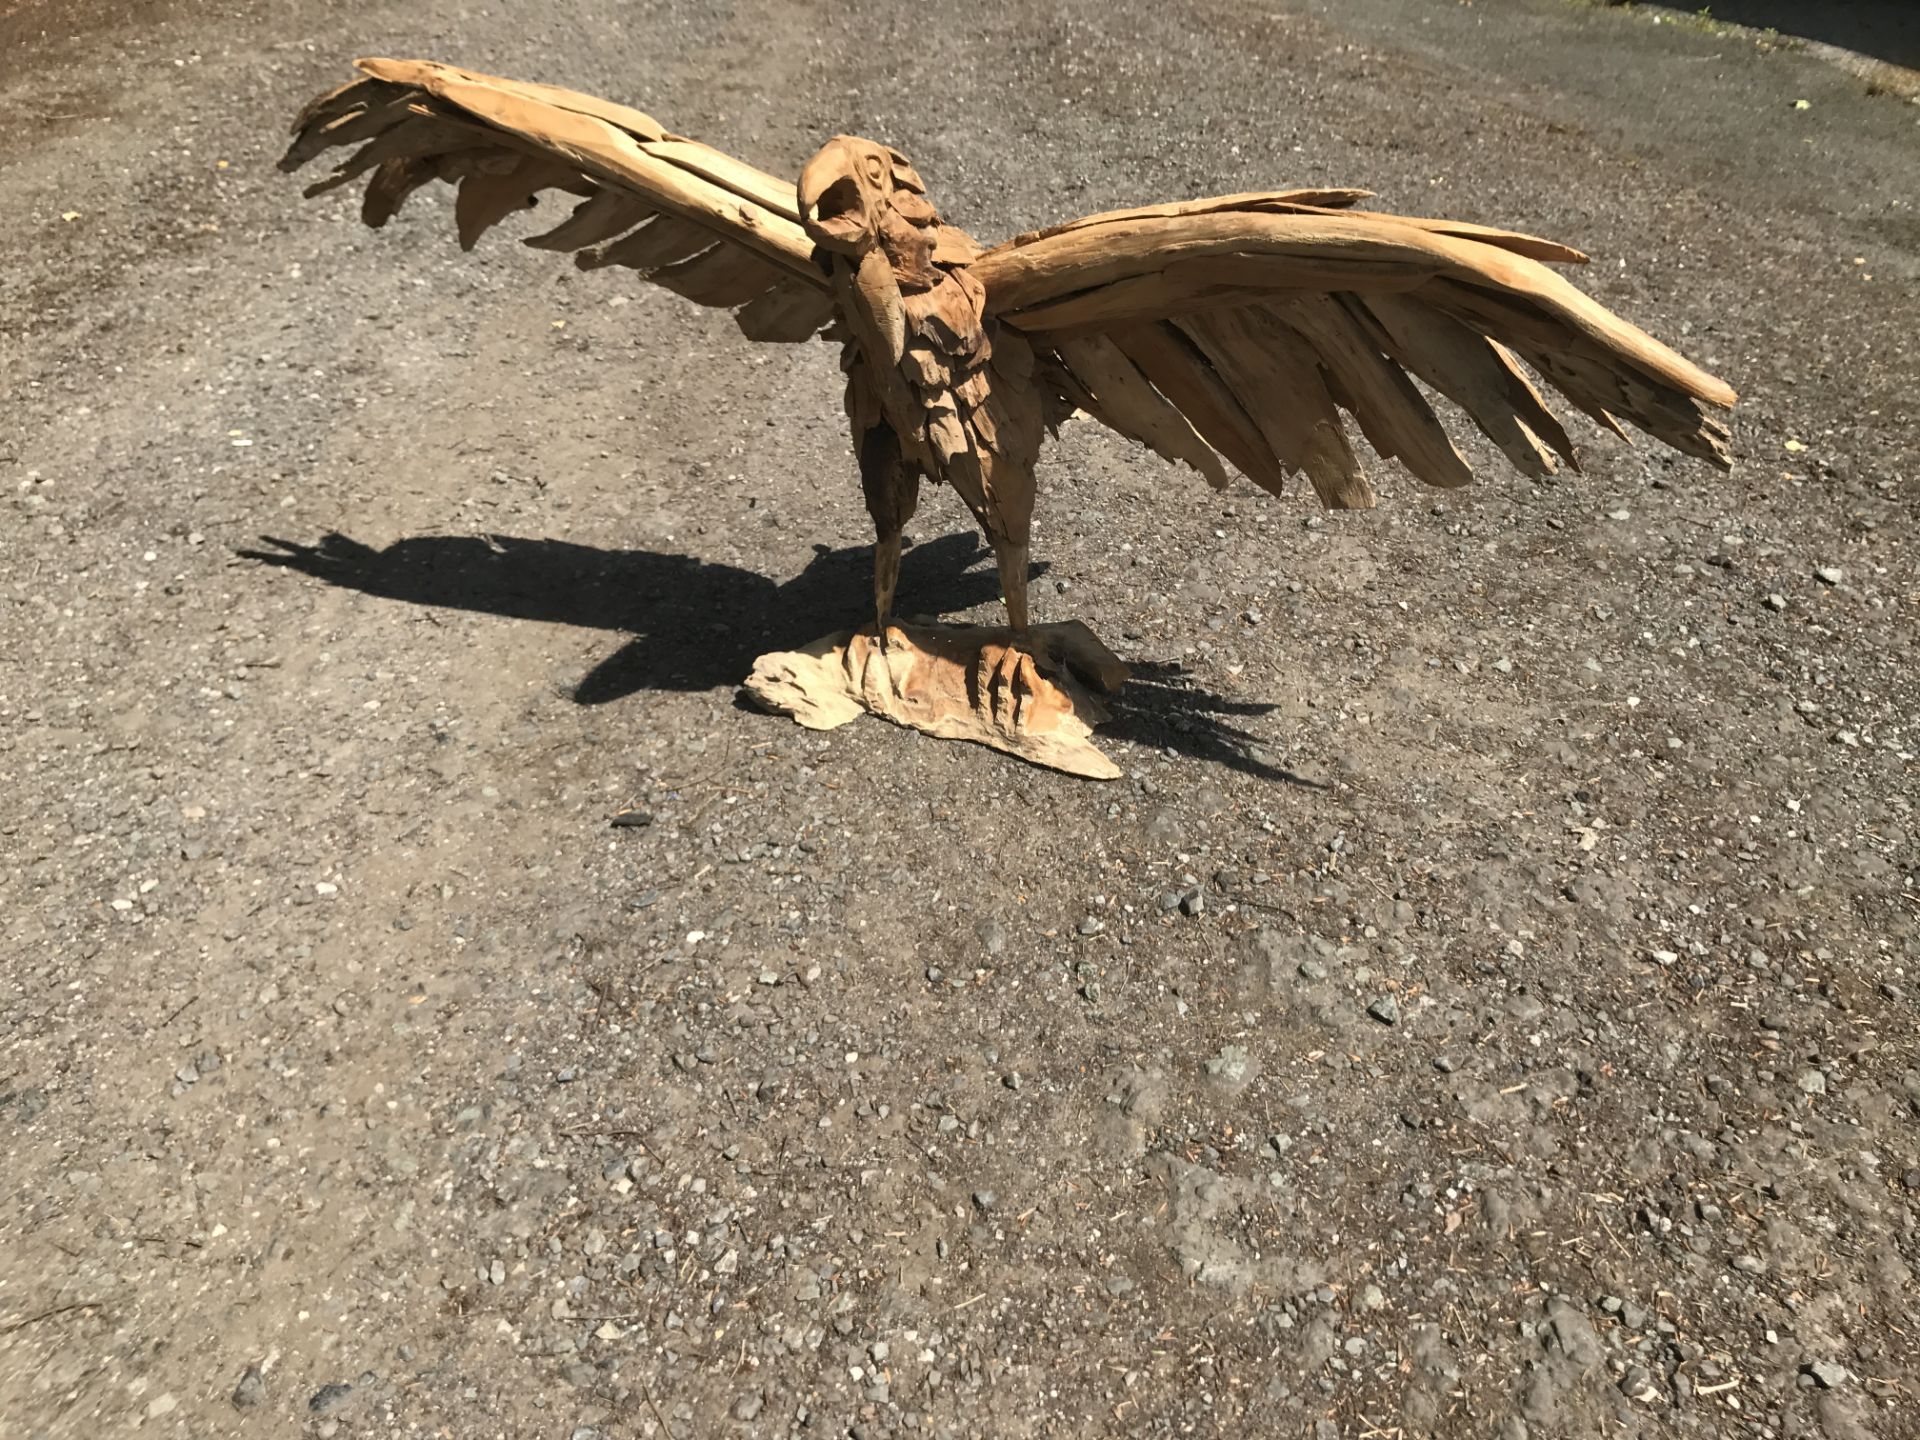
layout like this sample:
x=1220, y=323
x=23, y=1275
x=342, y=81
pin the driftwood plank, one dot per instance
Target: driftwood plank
x=1519, y=242
x=722, y=169
x=1181, y=373
x=788, y=313
x=1212, y=282
x=1127, y=401
x=580, y=131
x=1276, y=376
x=418, y=137
x=1393, y=415
x=486, y=199
x=1253, y=200
x=1474, y=373
x=392, y=183
x=363, y=120
x=434, y=78
x=601, y=216
x=1020, y=277
x=1598, y=381
x=724, y=275
x=662, y=241
x=328, y=106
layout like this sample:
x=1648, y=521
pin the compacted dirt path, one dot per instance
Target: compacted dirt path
x=1486, y=1008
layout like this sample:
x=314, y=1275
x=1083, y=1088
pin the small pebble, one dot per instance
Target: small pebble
x=251, y=1390
x=1232, y=1066
x=1637, y=1384
x=329, y=1397
x=1826, y=1374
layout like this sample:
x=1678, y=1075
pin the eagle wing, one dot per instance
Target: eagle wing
x=1235, y=330
x=687, y=217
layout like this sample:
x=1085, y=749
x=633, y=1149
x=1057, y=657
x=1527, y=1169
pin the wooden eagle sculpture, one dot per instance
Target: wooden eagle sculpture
x=1231, y=331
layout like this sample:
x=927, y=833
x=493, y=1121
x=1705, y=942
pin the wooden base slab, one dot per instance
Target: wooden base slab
x=1038, y=698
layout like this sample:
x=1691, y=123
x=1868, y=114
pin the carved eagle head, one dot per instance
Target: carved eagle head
x=856, y=194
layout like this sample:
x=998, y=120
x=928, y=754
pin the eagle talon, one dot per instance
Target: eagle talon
x=1011, y=680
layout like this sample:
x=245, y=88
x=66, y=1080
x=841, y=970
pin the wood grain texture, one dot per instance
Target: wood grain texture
x=1036, y=695
x=1119, y=394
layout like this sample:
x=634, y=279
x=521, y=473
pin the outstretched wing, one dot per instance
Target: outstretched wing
x=1237, y=330
x=688, y=217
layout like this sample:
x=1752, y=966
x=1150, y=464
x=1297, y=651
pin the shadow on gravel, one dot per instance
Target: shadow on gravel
x=694, y=625
x=1162, y=706
x=699, y=626
x=1885, y=29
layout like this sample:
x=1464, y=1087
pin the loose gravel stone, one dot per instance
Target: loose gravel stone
x=251, y=1390
x=329, y=1397
x=1231, y=1067
x=1638, y=1385
x=1827, y=1374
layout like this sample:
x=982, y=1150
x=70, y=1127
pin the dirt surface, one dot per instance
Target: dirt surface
x=1487, y=1008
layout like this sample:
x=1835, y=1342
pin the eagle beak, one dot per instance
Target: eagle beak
x=832, y=208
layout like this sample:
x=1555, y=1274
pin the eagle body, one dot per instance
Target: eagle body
x=935, y=386
x=1241, y=331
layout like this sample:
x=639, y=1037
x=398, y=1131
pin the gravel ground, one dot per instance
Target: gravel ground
x=1487, y=1008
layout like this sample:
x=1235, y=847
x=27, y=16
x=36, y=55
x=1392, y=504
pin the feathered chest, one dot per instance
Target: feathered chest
x=917, y=358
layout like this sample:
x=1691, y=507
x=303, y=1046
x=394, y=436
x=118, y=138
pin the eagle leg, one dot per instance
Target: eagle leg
x=892, y=488
x=1012, y=560
x=886, y=577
